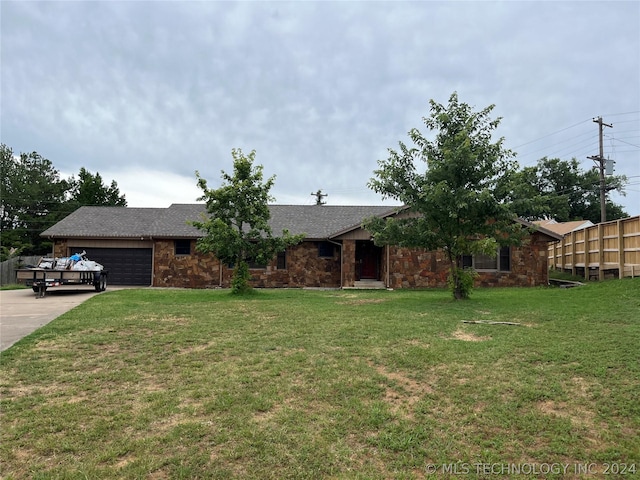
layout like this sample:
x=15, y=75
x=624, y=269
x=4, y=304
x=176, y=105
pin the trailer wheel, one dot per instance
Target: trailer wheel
x=39, y=291
x=101, y=285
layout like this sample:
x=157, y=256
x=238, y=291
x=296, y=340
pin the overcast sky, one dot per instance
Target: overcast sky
x=146, y=93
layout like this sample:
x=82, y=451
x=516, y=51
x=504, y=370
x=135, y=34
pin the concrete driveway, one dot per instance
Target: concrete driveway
x=22, y=313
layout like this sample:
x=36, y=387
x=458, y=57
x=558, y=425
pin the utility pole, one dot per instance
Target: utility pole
x=319, y=196
x=600, y=162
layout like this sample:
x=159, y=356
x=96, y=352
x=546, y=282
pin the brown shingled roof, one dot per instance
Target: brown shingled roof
x=316, y=222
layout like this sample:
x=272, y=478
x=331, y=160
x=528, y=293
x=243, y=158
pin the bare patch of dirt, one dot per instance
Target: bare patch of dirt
x=580, y=415
x=403, y=392
x=467, y=336
x=164, y=425
x=200, y=347
x=171, y=319
x=364, y=454
x=363, y=301
x=418, y=343
x=159, y=475
x=124, y=461
x=22, y=391
x=51, y=345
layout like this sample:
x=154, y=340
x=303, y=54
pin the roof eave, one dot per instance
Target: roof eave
x=545, y=231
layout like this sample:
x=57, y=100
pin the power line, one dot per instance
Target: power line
x=617, y=114
x=563, y=141
x=551, y=151
x=628, y=121
x=619, y=140
x=551, y=134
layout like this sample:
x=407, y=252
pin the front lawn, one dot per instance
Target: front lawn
x=328, y=384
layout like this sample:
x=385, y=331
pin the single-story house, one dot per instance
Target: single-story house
x=157, y=247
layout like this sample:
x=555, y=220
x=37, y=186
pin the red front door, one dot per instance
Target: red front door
x=368, y=258
x=369, y=267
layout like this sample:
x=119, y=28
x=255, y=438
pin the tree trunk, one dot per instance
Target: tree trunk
x=456, y=283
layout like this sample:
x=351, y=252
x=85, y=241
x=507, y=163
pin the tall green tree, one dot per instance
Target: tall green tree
x=90, y=189
x=449, y=186
x=31, y=195
x=237, y=229
x=562, y=190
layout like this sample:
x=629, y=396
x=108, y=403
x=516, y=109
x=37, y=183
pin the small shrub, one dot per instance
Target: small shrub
x=461, y=282
x=240, y=282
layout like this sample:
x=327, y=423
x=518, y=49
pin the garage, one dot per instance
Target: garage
x=126, y=266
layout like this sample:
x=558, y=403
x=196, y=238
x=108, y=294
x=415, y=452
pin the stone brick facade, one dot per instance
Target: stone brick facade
x=304, y=268
x=349, y=263
x=415, y=268
x=183, y=271
x=399, y=267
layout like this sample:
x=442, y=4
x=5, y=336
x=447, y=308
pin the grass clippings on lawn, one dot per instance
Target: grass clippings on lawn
x=326, y=384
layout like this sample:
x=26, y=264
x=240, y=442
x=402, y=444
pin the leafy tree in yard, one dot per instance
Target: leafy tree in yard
x=559, y=189
x=453, y=204
x=89, y=189
x=31, y=193
x=237, y=230
x=33, y=197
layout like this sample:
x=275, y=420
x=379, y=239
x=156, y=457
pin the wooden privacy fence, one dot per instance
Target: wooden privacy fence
x=611, y=248
x=8, y=268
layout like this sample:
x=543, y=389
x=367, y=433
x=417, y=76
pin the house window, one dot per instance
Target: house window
x=485, y=262
x=182, y=247
x=500, y=262
x=281, y=261
x=504, y=256
x=325, y=249
x=255, y=265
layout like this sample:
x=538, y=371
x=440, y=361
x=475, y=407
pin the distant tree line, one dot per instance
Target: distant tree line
x=33, y=197
x=561, y=190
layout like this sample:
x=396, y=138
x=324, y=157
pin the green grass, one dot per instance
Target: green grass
x=325, y=384
x=560, y=275
x=12, y=286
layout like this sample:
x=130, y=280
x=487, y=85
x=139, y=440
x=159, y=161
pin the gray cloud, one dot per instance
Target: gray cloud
x=319, y=89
